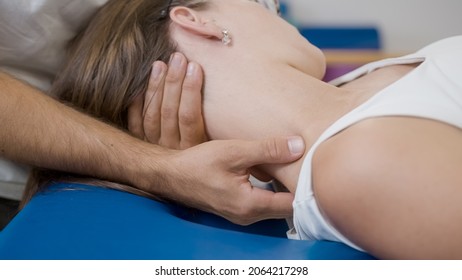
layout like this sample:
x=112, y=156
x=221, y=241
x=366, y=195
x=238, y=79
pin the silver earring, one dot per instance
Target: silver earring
x=226, y=40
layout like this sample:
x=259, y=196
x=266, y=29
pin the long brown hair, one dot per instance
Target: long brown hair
x=108, y=66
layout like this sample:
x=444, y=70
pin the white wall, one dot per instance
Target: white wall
x=405, y=25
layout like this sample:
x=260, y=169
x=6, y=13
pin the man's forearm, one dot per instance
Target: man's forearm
x=37, y=130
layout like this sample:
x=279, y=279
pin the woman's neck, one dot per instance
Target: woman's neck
x=269, y=100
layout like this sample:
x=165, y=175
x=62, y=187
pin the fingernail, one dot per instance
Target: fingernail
x=191, y=69
x=296, y=145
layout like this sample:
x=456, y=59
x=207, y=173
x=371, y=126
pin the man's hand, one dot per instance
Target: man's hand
x=170, y=112
x=214, y=177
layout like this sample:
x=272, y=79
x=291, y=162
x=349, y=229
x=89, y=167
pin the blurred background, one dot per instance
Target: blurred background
x=356, y=31
x=405, y=25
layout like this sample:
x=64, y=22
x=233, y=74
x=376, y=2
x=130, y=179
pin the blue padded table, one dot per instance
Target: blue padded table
x=75, y=222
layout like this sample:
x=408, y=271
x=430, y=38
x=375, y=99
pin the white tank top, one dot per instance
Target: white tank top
x=433, y=90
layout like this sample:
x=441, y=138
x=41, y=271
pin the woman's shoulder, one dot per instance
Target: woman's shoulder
x=353, y=155
x=383, y=173
x=386, y=151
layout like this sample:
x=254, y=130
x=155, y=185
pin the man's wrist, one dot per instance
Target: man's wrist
x=146, y=167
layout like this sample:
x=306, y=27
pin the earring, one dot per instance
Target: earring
x=226, y=40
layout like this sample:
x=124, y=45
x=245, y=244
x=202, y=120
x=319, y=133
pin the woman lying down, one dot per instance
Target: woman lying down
x=383, y=169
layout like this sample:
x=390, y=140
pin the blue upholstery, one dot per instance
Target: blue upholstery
x=74, y=222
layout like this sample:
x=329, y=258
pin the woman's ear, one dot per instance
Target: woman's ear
x=192, y=21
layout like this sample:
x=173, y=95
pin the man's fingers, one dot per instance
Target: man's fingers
x=269, y=151
x=191, y=123
x=171, y=101
x=172, y=112
x=264, y=204
x=153, y=102
x=135, y=117
x=275, y=205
